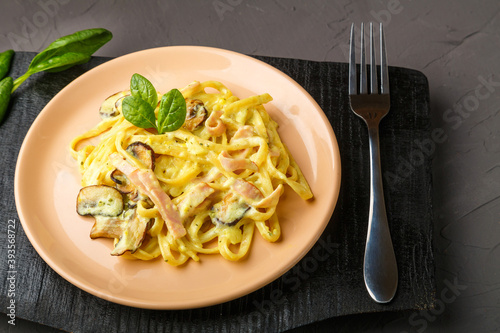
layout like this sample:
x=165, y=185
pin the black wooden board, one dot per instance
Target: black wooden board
x=327, y=283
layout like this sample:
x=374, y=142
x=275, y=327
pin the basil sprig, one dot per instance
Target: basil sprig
x=139, y=108
x=67, y=51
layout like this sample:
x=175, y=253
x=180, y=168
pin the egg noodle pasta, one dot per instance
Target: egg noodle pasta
x=204, y=188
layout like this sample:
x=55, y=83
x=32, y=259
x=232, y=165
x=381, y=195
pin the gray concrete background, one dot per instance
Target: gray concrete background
x=456, y=44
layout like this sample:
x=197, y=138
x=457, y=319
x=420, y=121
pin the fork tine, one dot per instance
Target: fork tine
x=362, y=75
x=373, y=64
x=352, y=64
x=384, y=71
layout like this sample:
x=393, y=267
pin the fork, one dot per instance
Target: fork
x=379, y=268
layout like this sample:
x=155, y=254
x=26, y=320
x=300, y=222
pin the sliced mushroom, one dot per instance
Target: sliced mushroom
x=99, y=200
x=128, y=228
x=143, y=153
x=195, y=114
x=119, y=101
x=229, y=211
x=109, y=107
x=132, y=236
x=135, y=196
x=122, y=182
x=107, y=227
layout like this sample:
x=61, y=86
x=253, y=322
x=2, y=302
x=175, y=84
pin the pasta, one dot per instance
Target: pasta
x=201, y=189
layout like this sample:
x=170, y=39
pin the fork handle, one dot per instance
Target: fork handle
x=380, y=268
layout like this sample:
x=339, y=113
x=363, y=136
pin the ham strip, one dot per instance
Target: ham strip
x=254, y=197
x=271, y=200
x=214, y=124
x=148, y=184
x=246, y=190
x=245, y=131
x=193, y=199
x=230, y=163
x=212, y=175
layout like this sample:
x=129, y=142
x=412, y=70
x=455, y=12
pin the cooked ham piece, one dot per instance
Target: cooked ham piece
x=193, y=199
x=271, y=200
x=246, y=190
x=214, y=124
x=243, y=132
x=148, y=184
x=230, y=163
x=253, y=196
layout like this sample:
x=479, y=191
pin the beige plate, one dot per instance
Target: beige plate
x=47, y=183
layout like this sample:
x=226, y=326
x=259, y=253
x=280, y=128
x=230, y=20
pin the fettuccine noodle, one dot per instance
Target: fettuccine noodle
x=221, y=175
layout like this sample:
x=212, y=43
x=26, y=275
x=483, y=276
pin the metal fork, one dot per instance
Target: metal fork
x=380, y=269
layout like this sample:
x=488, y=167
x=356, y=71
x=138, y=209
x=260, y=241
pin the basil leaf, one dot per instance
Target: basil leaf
x=62, y=62
x=141, y=87
x=138, y=112
x=71, y=49
x=66, y=52
x=5, y=59
x=5, y=91
x=172, y=113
